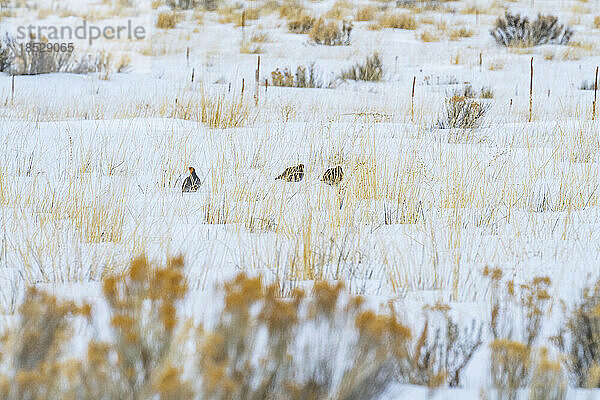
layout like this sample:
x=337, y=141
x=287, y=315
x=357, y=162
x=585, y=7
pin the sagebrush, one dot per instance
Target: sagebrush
x=370, y=70
x=323, y=343
x=462, y=113
x=514, y=30
x=304, y=77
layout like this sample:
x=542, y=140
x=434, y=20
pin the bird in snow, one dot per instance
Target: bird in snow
x=292, y=174
x=192, y=182
x=333, y=176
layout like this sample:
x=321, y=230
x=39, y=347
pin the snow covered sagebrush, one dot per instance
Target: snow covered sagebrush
x=462, y=113
x=19, y=59
x=209, y=5
x=27, y=62
x=182, y=4
x=515, y=30
x=6, y=57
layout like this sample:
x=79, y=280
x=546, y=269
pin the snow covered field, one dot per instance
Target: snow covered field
x=92, y=165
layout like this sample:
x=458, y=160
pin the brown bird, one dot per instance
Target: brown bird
x=292, y=174
x=192, y=182
x=333, y=176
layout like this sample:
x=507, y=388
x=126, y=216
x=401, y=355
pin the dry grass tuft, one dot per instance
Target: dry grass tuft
x=182, y=4
x=340, y=10
x=331, y=33
x=291, y=9
x=365, y=13
x=429, y=36
x=248, y=47
x=398, y=21
x=459, y=33
x=305, y=77
x=370, y=70
x=219, y=110
x=301, y=24
x=497, y=65
x=167, y=20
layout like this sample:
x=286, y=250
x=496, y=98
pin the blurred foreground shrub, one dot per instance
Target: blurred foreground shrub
x=326, y=344
x=261, y=346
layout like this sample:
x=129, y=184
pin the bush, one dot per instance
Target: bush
x=518, y=312
x=247, y=47
x=510, y=365
x=370, y=70
x=259, y=347
x=486, y=93
x=182, y=4
x=588, y=85
x=291, y=9
x=302, y=24
x=462, y=113
x=430, y=5
x=513, y=366
x=25, y=62
x=440, y=359
x=15, y=59
x=375, y=348
x=516, y=31
x=462, y=32
x=597, y=22
x=365, y=13
x=166, y=20
x=330, y=33
x=6, y=57
x=429, y=36
x=103, y=63
x=548, y=380
x=580, y=339
x=209, y=5
x=341, y=9
x=516, y=320
x=32, y=351
x=398, y=21
x=305, y=77
x=466, y=91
